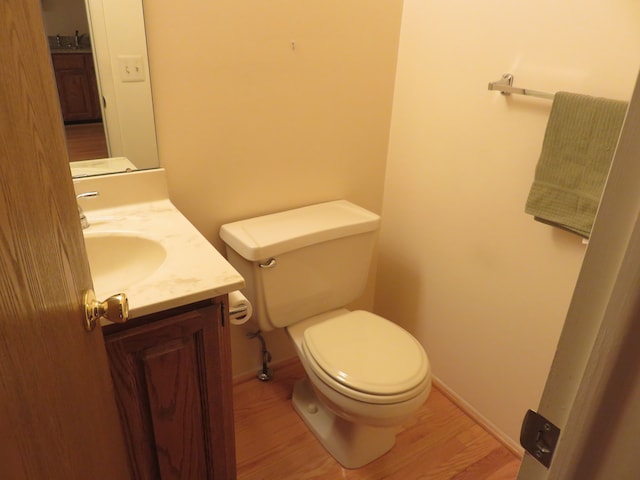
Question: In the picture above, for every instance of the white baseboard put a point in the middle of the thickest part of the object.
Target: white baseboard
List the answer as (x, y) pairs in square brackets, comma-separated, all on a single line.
[(499, 435)]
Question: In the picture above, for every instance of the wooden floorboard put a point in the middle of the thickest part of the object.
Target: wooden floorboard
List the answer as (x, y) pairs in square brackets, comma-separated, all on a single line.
[(440, 443), (86, 141)]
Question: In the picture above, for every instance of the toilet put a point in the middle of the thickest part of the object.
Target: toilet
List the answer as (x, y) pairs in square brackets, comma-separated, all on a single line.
[(365, 374)]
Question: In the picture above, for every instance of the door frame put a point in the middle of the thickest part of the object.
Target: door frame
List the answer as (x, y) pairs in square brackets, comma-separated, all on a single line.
[(593, 381)]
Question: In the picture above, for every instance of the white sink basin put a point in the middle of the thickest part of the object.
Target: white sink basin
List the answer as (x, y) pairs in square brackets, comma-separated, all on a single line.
[(121, 259), (140, 244)]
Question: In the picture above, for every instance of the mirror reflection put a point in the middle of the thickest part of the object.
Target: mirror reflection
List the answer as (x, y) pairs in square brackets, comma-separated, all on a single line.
[(99, 56)]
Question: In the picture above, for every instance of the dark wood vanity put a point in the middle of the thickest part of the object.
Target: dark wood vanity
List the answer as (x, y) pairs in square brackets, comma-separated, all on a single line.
[(172, 376), (77, 86)]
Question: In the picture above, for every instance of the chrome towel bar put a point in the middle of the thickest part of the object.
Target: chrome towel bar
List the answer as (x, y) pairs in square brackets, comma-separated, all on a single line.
[(505, 86)]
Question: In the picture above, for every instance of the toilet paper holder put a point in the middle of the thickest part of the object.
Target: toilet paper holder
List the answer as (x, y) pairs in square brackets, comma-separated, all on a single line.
[(238, 311)]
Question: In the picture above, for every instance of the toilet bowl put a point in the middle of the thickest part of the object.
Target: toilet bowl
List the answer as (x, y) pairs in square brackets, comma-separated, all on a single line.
[(365, 374), (344, 396), (367, 368)]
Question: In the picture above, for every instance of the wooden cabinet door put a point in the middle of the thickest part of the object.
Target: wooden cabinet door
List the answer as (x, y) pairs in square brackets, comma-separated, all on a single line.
[(77, 88), (173, 388)]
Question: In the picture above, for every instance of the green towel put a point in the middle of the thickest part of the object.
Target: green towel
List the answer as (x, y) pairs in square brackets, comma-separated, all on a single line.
[(579, 143)]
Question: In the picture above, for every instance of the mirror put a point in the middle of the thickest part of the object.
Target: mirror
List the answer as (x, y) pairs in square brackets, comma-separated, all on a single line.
[(99, 55)]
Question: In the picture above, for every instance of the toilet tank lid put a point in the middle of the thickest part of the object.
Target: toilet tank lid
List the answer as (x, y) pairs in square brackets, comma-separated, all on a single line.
[(270, 235)]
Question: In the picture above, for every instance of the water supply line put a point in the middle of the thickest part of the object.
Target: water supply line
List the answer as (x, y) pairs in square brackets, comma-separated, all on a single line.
[(265, 374)]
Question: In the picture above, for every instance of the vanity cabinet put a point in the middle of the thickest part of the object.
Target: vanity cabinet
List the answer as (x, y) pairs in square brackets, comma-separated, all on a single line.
[(172, 377), (77, 86)]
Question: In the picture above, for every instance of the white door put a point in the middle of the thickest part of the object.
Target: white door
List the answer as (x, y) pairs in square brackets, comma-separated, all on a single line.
[(58, 418), (593, 390)]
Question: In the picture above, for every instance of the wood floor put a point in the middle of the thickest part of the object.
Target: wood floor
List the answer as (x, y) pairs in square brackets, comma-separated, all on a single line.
[(440, 443), (86, 141)]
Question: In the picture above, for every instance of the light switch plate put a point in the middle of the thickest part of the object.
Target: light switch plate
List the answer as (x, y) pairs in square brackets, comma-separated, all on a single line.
[(131, 68)]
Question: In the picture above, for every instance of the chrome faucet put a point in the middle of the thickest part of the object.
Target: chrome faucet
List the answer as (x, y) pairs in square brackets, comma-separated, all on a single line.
[(77, 38), (83, 218)]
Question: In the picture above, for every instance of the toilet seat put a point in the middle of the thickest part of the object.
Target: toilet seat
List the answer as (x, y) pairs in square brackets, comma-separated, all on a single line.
[(367, 358)]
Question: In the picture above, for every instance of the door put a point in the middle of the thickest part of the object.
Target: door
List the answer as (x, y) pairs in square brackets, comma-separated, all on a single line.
[(593, 389), (58, 418)]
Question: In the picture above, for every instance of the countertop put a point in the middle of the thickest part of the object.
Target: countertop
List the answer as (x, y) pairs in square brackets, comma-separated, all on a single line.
[(100, 166), (193, 269)]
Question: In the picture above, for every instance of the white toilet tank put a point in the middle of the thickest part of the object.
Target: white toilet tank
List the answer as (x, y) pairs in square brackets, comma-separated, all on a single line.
[(302, 262)]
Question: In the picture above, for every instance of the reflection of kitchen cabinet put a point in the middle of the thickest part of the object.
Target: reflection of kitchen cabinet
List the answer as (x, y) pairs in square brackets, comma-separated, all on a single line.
[(172, 377), (77, 87)]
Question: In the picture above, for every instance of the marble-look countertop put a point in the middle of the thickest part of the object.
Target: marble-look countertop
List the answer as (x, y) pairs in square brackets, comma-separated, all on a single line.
[(137, 203), (100, 166)]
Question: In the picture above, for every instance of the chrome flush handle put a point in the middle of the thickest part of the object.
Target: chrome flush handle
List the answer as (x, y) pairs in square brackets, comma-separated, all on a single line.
[(269, 263)]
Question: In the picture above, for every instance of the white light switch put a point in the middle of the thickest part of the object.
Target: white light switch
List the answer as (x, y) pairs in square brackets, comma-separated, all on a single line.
[(131, 68)]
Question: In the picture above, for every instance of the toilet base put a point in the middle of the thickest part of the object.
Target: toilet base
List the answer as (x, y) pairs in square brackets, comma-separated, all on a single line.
[(352, 445)]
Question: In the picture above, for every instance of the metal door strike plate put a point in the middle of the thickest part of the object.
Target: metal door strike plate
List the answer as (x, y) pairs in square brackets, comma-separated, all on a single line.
[(539, 437)]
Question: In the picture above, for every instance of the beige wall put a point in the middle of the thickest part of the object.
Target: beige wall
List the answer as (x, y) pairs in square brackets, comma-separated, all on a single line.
[(64, 17), (248, 123), (483, 286)]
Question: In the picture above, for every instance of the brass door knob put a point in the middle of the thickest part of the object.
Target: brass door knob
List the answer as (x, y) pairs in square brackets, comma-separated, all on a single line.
[(115, 309)]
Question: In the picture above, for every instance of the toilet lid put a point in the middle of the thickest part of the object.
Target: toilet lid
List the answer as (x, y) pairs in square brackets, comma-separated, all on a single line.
[(367, 353)]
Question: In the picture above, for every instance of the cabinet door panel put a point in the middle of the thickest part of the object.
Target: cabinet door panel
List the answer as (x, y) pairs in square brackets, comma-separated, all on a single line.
[(169, 385), (77, 88), (172, 378)]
